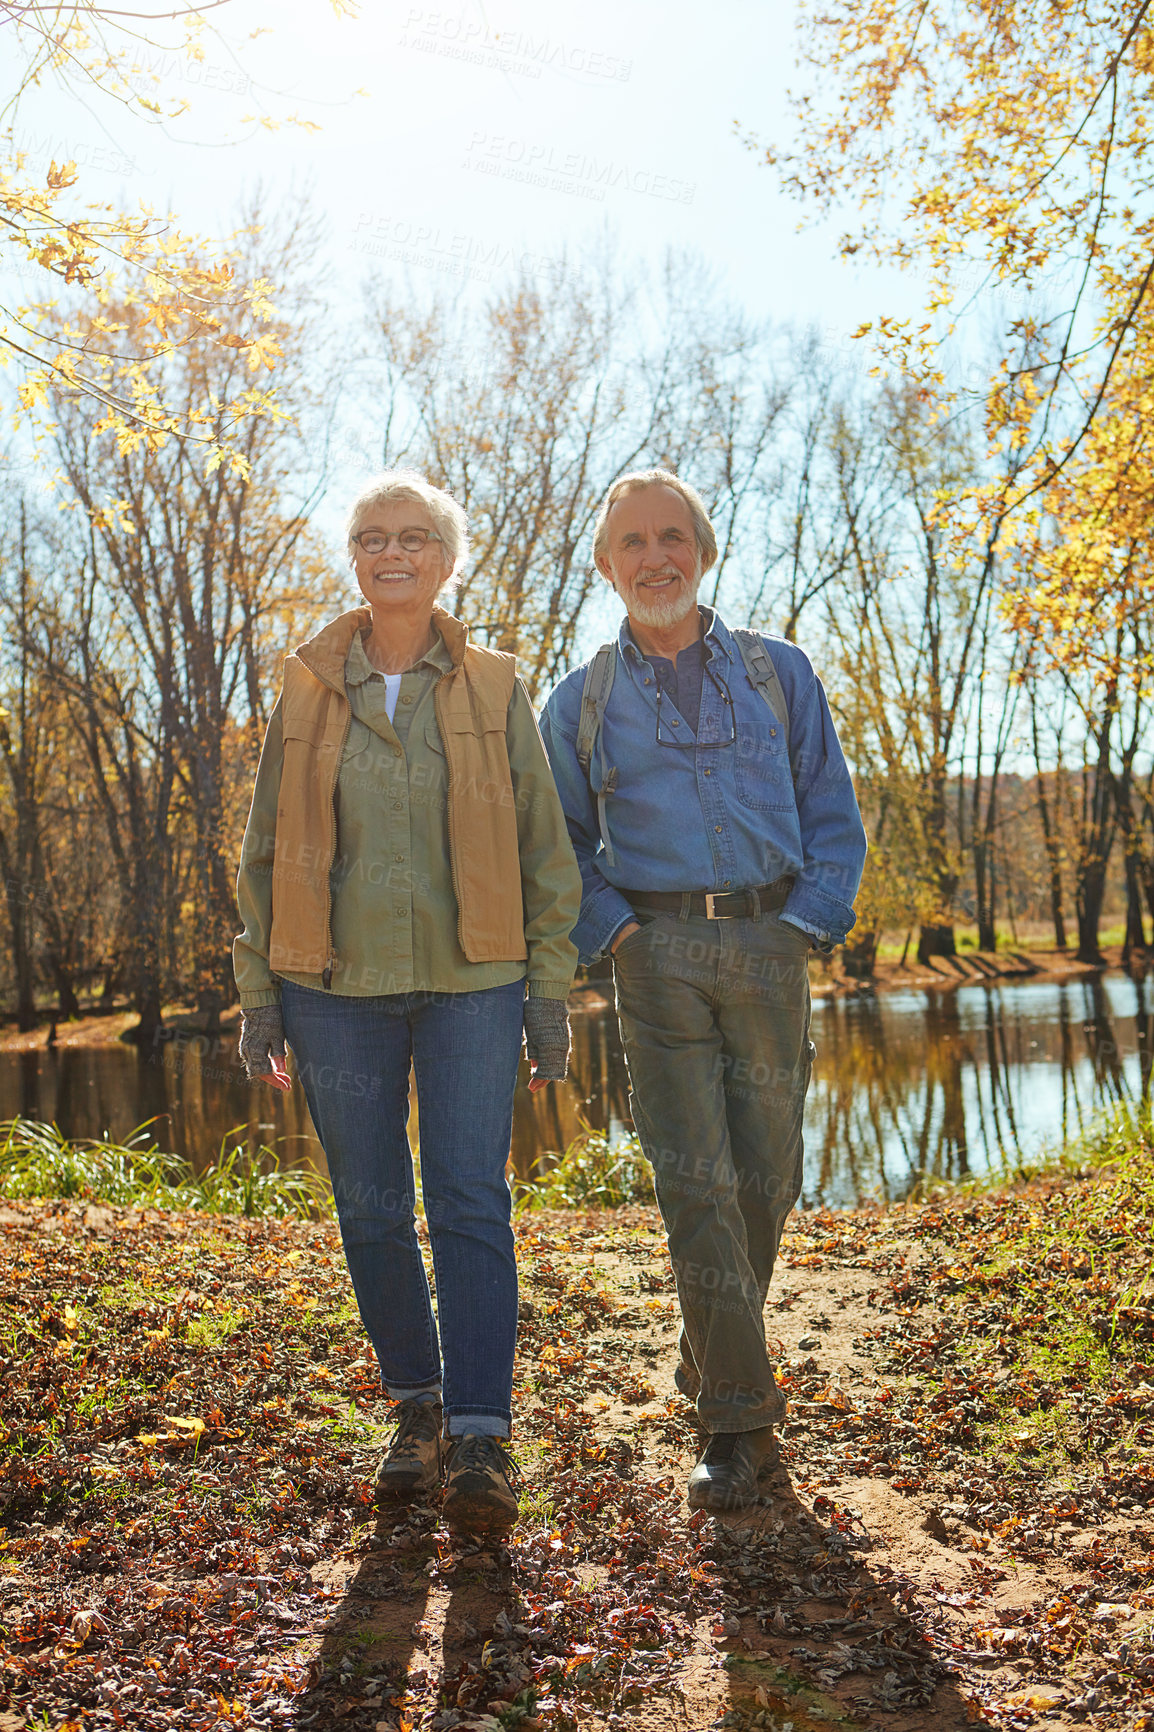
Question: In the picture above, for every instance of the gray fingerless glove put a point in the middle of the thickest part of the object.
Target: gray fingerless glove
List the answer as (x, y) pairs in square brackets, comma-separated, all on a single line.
[(261, 1034), (547, 1037)]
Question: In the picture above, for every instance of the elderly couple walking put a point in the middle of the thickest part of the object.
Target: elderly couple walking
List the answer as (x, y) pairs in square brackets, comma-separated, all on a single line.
[(421, 871)]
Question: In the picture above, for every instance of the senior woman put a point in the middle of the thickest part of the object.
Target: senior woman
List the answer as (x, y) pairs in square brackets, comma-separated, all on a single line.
[(405, 872)]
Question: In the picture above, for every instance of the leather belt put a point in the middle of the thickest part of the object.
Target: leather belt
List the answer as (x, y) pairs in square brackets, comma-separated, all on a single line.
[(713, 904)]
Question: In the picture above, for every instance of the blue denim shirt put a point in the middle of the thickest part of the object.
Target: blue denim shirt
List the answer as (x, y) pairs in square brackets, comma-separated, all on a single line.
[(709, 817)]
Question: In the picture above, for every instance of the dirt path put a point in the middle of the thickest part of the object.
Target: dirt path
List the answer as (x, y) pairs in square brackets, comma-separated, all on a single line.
[(190, 1430)]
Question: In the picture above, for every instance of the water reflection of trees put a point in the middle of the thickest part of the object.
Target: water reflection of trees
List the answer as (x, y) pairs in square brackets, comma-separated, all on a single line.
[(888, 1097), (901, 1098), (596, 1094), (908, 1087), (189, 1092)]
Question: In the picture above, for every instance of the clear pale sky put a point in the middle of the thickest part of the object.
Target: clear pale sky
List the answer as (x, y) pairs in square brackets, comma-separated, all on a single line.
[(491, 134)]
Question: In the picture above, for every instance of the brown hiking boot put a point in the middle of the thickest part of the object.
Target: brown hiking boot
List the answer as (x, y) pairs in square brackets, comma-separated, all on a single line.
[(480, 1488), (726, 1476), (411, 1466)]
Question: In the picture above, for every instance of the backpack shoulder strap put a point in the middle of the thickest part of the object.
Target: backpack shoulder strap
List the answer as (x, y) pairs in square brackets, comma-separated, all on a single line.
[(594, 698), (763, 675)]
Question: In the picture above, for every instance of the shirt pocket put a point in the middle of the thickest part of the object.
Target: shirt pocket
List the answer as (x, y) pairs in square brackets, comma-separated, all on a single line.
[(358, 748), (487, 727), (429, 780), (480, 747), (763, 774), (314, 741)]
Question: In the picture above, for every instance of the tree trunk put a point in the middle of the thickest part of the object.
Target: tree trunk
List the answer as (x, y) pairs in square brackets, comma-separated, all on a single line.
[(937, 937), (980, 852), (1088, 901), (1146, 872), (66, 999), (19, 930), (859, 958), (1098, 825), (1053, 857), (146, 1003), (936, 940), (986, 883), (1134, 941), (150, 884), (988, 910)]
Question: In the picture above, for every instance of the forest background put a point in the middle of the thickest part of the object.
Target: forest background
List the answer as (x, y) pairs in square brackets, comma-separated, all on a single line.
[(952, 521)]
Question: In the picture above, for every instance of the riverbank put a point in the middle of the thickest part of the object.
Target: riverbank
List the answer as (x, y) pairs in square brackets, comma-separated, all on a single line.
[(967, 968), (960, 1532), (827, 979)]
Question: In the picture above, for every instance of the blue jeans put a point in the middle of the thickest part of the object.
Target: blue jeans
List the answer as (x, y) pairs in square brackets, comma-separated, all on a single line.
[(353, 1057), (715, 1024)]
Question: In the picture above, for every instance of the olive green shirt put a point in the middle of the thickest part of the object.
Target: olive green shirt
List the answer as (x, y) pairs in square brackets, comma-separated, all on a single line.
[(394, 911)]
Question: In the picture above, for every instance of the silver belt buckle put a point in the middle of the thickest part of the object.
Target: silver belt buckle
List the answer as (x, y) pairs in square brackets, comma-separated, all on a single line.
[(710, 898)]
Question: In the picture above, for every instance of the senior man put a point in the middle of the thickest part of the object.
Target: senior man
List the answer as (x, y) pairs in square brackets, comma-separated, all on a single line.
[(719, 841)]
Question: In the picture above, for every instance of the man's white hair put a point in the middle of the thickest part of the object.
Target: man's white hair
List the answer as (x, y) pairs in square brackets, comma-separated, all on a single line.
[(636, 481)]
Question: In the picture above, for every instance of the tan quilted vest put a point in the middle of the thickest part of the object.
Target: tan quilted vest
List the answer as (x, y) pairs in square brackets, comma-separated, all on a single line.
[(472, 705)]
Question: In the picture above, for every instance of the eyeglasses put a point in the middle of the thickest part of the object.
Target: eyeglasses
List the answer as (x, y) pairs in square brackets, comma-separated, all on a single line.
[(671, 739), (409, 540)]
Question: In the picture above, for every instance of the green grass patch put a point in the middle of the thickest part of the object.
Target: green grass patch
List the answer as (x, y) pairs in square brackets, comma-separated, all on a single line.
[(592, 1173), (213, 1328), (536, 1505), (1046, 1437), (38, 1161), (350, 1425), (1053, 1286)]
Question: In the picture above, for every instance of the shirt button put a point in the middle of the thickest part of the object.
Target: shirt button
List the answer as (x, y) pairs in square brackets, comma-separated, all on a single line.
[(406, 700), (648, 682), (773, 733), (726, 886), (398, 858), (400, 913), (717, 827), (398, 805), (397, 753), (675, 721), (709, 772)]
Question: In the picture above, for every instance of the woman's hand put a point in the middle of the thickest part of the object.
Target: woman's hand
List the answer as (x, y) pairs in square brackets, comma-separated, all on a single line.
[(262, 1048), (546, 1040)]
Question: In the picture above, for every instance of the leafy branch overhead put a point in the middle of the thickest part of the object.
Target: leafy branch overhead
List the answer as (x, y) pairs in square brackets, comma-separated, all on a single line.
[(120, 268), (1003, 150)]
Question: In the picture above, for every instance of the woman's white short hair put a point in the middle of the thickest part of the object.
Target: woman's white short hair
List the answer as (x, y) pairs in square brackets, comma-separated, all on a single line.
[(449, 519)]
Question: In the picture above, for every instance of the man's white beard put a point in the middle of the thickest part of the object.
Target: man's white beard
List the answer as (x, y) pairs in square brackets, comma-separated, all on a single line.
[(656, 611)]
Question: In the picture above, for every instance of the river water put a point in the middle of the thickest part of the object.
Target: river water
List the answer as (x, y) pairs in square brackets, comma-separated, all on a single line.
[(908, 1086)]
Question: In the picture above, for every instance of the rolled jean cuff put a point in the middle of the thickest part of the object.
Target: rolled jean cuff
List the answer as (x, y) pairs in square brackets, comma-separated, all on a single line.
[(687, 1383), (488, 1424), (406, 1391), (759, 1422)]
